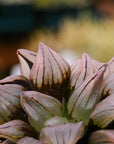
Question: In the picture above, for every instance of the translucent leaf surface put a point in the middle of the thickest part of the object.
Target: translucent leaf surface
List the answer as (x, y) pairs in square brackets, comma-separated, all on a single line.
[(39, 107), (108, 85), (14, 130), (103, 114), (26, 59), (16, 79), (102, 137), (9, 101), (68, 133), (55, 120), (81, 70), (50, 72), (83, 99), (29, 140)]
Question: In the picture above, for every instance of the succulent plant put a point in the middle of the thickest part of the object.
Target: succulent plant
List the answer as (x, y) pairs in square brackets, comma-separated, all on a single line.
[(52, 102)]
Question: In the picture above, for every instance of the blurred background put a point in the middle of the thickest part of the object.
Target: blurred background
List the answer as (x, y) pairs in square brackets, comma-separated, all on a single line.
[(71, 27)]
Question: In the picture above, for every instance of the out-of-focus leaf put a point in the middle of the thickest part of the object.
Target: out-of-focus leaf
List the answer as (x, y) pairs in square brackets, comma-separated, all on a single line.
[(97, 64), (81, 71), (14, 130), (75, 66), (50, 73), (40, 107), (103, 114), (26, 59), (9, 101), (83, 99), (102, 137), (55, 121), (7, 142), (28, 140), (68, 133), (109, 69), (108, 85), (16, 79)]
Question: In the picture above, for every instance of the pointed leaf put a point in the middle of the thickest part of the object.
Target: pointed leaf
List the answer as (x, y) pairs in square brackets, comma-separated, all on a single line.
[(68, 133), (110, 68), (83, 99), (103, 114), (84, 68), (97, 65), (14, 130), (102, 137), (39, 107), (28, 140), (50, 73), (108, 85), (75, 65), (26, 59), (10, 102), (16, 79)]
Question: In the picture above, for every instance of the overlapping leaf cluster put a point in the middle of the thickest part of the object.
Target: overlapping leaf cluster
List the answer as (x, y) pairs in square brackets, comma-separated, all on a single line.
[(55, 103)]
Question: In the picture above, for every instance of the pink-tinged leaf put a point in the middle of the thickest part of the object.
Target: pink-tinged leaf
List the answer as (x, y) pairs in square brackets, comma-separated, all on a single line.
[(6, 142), (81, 70), (26, 59), (108, 85), (16, 79), (103, 114), (40, 107), (29, 140), (83, 99), (10, 102), (97, 64), (102, 137), (110, 68), (75, 65), (68, 133), (14, 130), (50, 73)]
